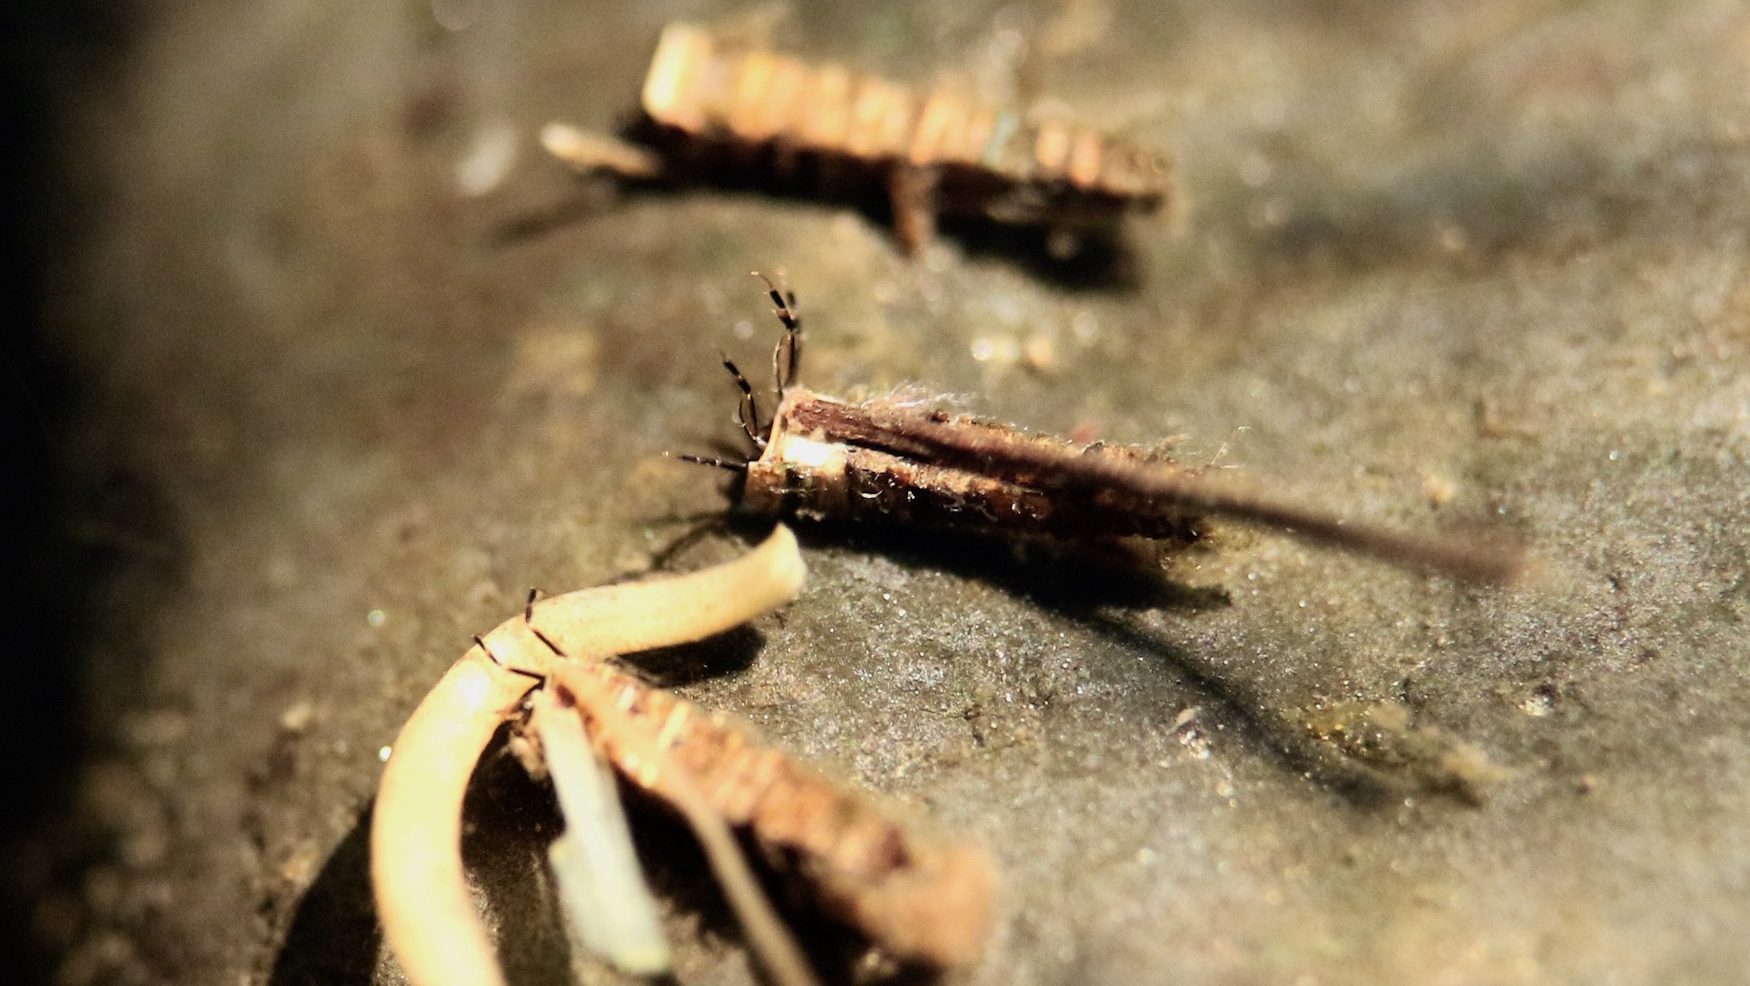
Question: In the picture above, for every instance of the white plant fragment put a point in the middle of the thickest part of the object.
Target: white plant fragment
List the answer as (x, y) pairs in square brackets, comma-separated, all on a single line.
[(607, 903)]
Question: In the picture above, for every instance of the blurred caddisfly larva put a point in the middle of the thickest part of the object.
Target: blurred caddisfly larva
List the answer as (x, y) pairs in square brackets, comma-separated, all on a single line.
[(901, 459), (713, 110), (916, 898)]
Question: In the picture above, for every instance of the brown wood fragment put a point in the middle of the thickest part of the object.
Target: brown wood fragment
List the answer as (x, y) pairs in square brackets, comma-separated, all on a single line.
[(917, 897)]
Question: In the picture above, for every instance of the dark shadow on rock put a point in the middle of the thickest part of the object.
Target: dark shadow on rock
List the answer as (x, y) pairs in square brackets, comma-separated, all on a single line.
[(1274, 733), (725, 654), (1088, 583), (1100, 259), (81, 644), (679, 873), (535, 221), (510, 820), (334, 935), (335, 932), (1068, 576), (1092, 259)]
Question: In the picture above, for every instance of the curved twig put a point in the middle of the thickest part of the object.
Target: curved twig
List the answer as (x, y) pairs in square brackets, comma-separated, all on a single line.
[(429, 920)]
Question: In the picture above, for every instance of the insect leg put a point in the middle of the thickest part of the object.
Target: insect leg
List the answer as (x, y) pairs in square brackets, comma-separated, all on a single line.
[(748, 412), (480, 642), (711, 460), (787, 357), (911, 193), (529, 621)]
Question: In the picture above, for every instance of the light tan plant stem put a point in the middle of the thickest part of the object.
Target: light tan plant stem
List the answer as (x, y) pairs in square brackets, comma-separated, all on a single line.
[(429, 919)]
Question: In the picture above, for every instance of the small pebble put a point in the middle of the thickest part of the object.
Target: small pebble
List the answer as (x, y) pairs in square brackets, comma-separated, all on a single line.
[(297, 717)]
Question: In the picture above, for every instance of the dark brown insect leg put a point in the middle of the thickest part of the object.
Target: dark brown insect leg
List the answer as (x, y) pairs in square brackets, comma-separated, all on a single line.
[(787, 356), (748, 412), (912, 194), (711, 460)]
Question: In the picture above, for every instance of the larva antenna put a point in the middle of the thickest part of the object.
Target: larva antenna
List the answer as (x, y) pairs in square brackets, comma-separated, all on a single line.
[(729, 465)]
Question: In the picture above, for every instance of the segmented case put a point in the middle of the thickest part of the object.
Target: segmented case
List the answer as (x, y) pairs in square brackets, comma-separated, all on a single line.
[(829, 459), (916, 897), (937, 152)]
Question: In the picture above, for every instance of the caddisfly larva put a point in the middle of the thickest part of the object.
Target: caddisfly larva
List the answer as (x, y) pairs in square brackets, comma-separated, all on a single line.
[(916, 898), (429, 921), (712, 110), (910, 895), (904, 461)]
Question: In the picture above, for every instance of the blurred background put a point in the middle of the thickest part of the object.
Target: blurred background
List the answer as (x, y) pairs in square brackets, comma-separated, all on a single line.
[(319, 363)]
